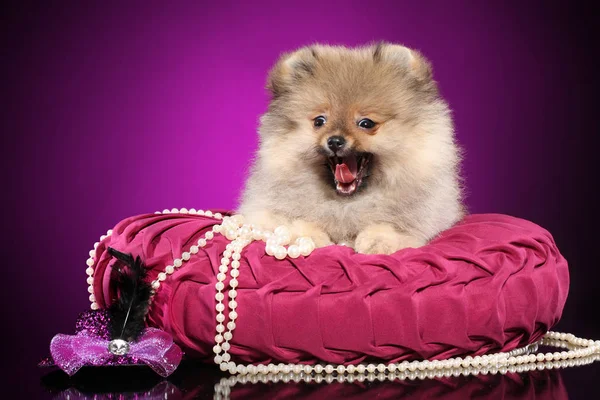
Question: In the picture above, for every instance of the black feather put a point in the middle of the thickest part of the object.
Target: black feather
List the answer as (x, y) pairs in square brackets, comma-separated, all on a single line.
[(128, 310)]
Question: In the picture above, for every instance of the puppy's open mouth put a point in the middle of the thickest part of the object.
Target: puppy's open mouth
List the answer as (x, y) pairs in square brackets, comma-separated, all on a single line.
[(349, 171)]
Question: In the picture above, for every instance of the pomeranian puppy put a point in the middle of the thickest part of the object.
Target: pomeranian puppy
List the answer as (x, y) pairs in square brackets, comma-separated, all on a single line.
[(356, 147)]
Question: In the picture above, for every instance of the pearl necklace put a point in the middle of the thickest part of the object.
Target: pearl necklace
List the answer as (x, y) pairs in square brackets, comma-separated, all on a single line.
[(225, 385), (240, 235)]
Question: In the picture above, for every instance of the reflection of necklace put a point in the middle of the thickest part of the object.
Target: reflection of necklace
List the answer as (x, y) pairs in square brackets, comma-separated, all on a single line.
[(226, 384), (580, 351)]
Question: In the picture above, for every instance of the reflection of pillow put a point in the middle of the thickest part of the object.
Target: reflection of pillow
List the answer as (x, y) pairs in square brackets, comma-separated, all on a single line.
[(492, 282)]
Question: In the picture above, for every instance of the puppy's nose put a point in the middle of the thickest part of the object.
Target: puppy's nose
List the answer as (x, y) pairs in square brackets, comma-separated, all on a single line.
[(336, 143)]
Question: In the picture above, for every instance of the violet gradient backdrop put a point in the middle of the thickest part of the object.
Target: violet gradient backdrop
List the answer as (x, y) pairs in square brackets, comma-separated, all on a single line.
[(115, 110)]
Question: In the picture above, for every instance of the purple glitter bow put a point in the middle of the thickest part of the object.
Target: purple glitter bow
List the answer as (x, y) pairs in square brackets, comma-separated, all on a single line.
[(154, 348)]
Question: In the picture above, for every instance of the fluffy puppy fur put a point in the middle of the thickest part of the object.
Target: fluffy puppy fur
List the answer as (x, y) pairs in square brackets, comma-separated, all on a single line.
[(390, 182)]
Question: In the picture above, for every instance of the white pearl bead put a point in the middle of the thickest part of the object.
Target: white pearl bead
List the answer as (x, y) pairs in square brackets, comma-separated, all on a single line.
[(219, 338), (208, 213), (226, 346), (170, 269), (174, 211), (94, 306), (233, 282), (201, 242), (227, 335), (281, 230), (219, 286), (162, 276), (285, 239), (155, 285), (232, 293), (177, 262), (89, 262), (183, 211), (233, 315), (231, 325), (245, 231), (235, 264), (89, 271), (306, 249), (270, 249), (185, 256), (218, 215), (90, 280), (90, 289), (165, 211), (280, 252), (92, 298), (220, 317), (209, 235), (293, 251), (194, 249)]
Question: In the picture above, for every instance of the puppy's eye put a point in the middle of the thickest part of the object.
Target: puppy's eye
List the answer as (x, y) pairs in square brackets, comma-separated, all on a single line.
[(319, 121), (366, 123)]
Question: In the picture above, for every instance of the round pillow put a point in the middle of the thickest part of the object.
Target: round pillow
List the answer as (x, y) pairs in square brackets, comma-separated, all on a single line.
[(490, 283)]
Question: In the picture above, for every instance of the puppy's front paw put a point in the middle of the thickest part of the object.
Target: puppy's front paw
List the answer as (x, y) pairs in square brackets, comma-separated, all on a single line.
[(265, 220), (384, 239), (303, 228)]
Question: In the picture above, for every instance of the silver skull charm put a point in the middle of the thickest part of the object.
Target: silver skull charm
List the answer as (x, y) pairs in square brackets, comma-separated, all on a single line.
[(118, 347)]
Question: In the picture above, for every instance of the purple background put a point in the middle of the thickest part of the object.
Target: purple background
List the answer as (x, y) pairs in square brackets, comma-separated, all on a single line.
[(119, 110)]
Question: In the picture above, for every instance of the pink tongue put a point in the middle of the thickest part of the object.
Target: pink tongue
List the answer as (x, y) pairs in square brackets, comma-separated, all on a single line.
[(346, 173)]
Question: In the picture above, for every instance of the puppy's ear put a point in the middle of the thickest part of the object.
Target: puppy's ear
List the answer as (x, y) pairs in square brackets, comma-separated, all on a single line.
[(290, 68), (408, 59)]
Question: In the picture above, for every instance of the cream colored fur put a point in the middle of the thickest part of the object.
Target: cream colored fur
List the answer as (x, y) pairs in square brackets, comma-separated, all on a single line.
[(413, 191)]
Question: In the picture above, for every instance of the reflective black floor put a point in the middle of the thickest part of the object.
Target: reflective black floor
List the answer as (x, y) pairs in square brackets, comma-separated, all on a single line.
[(198, 381)]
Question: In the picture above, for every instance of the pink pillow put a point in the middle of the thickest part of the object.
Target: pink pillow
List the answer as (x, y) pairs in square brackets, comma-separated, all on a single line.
[(490, 283)]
